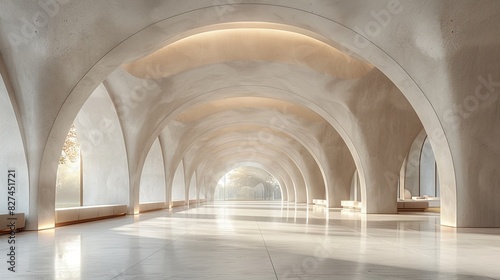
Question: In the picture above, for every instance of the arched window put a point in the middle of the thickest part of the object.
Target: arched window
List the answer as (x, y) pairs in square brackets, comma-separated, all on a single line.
[(418, 175), (428, 176)]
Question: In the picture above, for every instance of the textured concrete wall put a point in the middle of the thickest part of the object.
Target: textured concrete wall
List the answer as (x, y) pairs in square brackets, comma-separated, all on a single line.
[(104, 156), (193, 189), (179, 184), (12, 152), (153, 176)]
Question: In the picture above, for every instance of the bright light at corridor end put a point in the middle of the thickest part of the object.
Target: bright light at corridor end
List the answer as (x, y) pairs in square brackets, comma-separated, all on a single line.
[(249, 184)]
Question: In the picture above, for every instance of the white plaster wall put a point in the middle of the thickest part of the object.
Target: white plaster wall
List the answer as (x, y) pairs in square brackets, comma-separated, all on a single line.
[(12, 154), (153, 176), (193, 188), (316, 181), (68, 186), (388, 126), (338, 166), (179, 184), (105, 171), (456, 67), (201, 187)]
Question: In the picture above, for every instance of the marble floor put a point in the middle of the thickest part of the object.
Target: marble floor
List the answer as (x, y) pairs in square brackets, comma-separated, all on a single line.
[(256, 240)]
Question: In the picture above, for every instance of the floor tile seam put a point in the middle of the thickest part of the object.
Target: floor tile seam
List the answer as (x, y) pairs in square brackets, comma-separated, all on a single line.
[(388, 242), (143, 259), (417, 252), (156, 251), (422, 254), (19, 241), (349, 228), (413, 251), (267, 249), (148, 256)]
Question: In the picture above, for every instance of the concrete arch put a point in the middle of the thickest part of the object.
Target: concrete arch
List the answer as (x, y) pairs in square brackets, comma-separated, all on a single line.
[(379, 172), (232, 153), (223, 166), (283, 188), (325, 110), (225, 163), (247, 143), (257, 179), (231, 91), (278, 169), (314, 146), (307, 167), (300, 180), (237, 44), (287, 15)]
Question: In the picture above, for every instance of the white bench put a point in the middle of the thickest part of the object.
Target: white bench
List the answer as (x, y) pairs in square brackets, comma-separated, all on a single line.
[(88, 213), (319, 202), (178, 203), (413, 205), (151, 206), (351, 205), (434, 202)]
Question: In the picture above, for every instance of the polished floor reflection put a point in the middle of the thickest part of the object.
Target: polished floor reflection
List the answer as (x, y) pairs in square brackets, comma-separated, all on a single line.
[(257, 240)]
